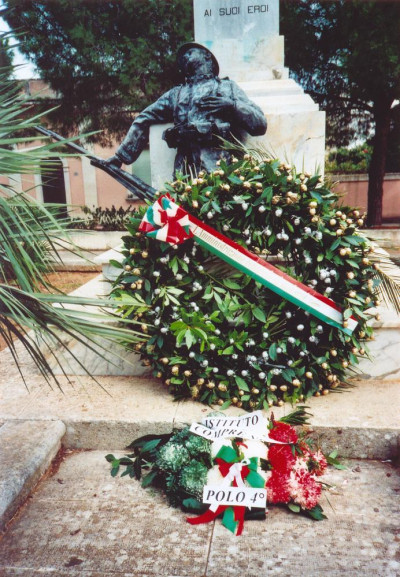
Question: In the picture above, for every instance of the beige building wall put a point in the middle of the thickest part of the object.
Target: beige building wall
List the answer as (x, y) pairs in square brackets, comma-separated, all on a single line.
[(29, 183), (109, 192), (76, 179), (355, 193), (89, 186)]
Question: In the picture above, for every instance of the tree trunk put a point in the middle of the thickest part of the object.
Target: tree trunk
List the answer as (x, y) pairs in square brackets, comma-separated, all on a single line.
[(377, 168)]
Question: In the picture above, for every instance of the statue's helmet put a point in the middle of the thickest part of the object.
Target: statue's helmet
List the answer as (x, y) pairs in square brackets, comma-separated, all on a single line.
[(188, 46)]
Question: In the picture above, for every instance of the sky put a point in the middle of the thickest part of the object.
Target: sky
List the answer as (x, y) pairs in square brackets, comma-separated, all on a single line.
[(25, 69)]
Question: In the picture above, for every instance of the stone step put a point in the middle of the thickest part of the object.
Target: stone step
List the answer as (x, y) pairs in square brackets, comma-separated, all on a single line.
[(84, 262), (27, 450), (82, 522), (94, 240), (387, 238), (280, 105), (112, 411), (281, 87), (133, 404)]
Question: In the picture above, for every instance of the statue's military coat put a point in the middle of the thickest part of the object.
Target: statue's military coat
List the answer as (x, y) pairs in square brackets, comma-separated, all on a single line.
[(196, 131)]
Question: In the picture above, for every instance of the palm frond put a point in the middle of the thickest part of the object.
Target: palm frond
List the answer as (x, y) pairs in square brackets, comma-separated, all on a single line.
[(42, 327), (388, 276), (298, 417), (31, 236)]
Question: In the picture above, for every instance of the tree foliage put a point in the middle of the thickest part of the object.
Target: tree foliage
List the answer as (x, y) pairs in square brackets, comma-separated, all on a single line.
[(347, 56), (108, 59), (104, 59), (6, 56), (344, 62)]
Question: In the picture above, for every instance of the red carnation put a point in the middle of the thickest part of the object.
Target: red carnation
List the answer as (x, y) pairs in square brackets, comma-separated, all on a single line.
[(283, 432), (304, 490), (278, 488), (281, 458), (317, 463)]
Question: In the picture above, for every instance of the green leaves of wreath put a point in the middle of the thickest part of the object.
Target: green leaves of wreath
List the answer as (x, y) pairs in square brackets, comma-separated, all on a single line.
[(212, 333)]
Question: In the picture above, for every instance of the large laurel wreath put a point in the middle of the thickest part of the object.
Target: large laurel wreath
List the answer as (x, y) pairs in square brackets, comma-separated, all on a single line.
[(214, 334)]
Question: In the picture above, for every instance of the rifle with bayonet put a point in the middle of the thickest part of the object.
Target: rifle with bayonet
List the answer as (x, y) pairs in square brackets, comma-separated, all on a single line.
[(133, 183)]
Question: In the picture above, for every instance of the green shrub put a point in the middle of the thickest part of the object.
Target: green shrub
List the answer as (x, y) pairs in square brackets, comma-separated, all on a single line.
[(102, 218), (353, 160)]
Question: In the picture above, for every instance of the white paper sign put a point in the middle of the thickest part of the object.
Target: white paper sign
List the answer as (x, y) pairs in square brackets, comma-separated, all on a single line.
[(216, 495), (253, 420), (228, 433), (253, 427)]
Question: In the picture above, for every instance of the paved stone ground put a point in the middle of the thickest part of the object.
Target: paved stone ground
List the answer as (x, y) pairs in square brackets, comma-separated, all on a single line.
[(81, 522)]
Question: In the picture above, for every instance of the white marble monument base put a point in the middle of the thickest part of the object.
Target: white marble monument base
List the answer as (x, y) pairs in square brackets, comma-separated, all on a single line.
[(265, 62), (296, 126)]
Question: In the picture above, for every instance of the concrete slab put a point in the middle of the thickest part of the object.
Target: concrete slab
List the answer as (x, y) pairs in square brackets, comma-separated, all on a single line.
[(114, 361), (85, 521), (384, 353), (82, 522), (360, 536), (27, 450)]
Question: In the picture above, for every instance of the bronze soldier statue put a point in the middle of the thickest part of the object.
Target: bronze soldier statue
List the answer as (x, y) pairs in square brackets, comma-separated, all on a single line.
[(203, 109)]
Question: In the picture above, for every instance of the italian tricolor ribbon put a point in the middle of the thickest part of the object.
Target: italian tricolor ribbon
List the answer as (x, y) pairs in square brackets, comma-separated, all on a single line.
[(234, 472), (168, 222)]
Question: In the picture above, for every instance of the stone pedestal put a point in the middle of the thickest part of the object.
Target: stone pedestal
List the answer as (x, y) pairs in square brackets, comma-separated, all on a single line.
[(244, 37), (296, 126)]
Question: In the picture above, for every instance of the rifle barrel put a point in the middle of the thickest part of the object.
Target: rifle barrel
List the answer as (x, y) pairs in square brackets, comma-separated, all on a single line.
[(136, 185), (60, 138)]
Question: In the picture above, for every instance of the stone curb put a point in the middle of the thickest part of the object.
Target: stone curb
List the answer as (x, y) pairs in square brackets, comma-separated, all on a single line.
[(359, 443), (351, 442), (27, 450), (84, 262)]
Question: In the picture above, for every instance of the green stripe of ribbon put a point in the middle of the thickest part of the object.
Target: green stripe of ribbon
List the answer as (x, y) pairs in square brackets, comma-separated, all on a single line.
[(227, 454), (228, 520)]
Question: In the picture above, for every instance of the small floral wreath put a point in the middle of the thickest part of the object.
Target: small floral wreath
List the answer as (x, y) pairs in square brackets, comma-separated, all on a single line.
[(182, 464), (214, 334)]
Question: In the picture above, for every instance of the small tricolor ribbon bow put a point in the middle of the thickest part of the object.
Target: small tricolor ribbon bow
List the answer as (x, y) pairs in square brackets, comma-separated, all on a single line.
[(235, 472), (166, 221)]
